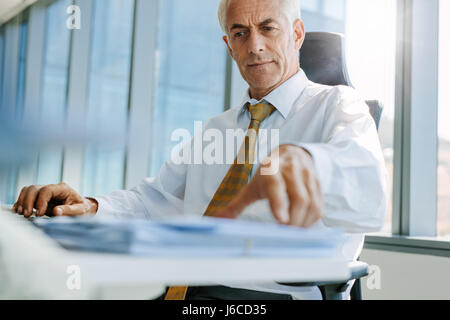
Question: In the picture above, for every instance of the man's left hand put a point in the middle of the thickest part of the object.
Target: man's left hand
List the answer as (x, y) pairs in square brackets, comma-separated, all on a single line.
[(288, 170)]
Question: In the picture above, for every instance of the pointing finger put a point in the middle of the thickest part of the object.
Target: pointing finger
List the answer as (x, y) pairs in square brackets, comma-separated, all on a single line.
[(276, 193), (298, 196)]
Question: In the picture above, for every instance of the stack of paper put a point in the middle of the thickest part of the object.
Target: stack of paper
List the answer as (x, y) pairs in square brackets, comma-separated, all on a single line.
[(205, 237)]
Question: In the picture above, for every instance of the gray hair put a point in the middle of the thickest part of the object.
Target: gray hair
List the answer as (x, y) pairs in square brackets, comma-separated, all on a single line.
[(290, 7)]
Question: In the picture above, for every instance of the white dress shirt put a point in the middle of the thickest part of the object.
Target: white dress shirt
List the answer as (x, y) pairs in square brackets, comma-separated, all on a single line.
[(332, 123)]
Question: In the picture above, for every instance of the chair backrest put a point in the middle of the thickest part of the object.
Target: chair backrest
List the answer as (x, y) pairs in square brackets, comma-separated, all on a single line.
[(322, 57)]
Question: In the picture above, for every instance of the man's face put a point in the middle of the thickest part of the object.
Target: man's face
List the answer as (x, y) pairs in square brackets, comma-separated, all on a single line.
[(263, 43)]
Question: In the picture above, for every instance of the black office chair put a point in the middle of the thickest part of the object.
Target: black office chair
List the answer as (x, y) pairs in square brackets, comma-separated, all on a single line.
[(322, 57)]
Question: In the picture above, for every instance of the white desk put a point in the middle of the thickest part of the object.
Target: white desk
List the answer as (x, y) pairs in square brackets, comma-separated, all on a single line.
[(33, 266)]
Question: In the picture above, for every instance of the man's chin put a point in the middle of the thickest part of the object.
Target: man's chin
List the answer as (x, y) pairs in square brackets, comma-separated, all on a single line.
[(262, 83)]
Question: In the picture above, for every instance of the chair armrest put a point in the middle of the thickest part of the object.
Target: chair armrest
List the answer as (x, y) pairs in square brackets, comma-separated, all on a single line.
[(358, 269)]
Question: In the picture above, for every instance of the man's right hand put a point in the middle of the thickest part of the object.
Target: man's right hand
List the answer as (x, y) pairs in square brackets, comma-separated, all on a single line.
[(53, 200)]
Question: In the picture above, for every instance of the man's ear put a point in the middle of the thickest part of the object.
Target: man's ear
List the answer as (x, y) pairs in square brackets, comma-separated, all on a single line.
[(225, 39), (299, 34)]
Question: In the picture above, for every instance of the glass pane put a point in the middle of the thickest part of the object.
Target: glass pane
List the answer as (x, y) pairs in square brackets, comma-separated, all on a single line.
[(54, 87), (191, 82), (9, 171), (2, 54), (108, 91), (21, 66), (443, 225), (334, 9), (3, 167), (324, 15), (370, 54), (8, 181), (20, 97)]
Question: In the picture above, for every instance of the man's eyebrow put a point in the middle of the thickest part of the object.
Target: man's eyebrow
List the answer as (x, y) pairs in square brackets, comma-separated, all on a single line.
[(238, 26), (241, 26), (267, 21)]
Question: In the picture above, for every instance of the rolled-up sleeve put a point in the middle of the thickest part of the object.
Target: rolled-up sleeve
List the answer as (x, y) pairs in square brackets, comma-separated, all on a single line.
[(350, 165), (154, 198)]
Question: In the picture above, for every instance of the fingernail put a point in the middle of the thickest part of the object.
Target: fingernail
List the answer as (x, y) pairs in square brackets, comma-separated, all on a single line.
[(38, 213), (19, 210), (59, 212), (25, 212)]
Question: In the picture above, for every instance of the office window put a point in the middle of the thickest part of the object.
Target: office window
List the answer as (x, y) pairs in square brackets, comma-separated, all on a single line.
[(108, 92), (3, 168), (54, 87), (324, 15), (13, 36), (21, 64), (310, 5), (12, 71), (4, 89), (370, 53), (334, 9), (20, 95), (2, 54), (443, 222), (191, 74)]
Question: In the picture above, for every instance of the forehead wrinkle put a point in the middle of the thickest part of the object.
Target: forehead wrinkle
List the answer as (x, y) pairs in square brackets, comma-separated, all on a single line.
[(248, 11), (264, 23)]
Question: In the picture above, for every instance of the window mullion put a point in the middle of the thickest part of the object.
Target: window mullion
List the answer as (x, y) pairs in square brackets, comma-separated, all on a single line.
[(143, 82), (419, 118), (77, 95)]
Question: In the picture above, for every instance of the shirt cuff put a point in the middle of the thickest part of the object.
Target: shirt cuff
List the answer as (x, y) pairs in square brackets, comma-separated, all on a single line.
[(102, 206)]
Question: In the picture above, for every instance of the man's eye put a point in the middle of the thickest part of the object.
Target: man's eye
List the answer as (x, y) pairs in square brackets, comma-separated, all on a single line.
[(268, 28), (239, 34)]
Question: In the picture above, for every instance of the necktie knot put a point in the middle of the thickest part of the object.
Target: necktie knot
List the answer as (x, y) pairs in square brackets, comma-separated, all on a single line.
[(260, 111)]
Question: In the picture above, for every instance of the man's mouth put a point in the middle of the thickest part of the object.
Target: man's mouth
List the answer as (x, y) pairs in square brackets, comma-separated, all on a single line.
[(260, 64)]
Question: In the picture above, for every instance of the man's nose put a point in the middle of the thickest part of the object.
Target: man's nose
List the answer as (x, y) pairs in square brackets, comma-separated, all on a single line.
[(256, 43)]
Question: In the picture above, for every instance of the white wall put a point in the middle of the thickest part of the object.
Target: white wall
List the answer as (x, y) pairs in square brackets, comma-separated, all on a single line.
[(407, 276)]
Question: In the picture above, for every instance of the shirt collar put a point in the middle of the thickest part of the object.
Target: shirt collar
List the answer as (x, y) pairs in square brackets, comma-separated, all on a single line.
[(283, 97)]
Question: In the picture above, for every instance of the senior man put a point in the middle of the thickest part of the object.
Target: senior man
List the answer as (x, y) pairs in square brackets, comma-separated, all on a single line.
[(330, 173)]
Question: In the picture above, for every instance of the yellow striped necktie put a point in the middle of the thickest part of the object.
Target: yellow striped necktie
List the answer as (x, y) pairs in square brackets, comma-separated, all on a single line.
[(236, 177)]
